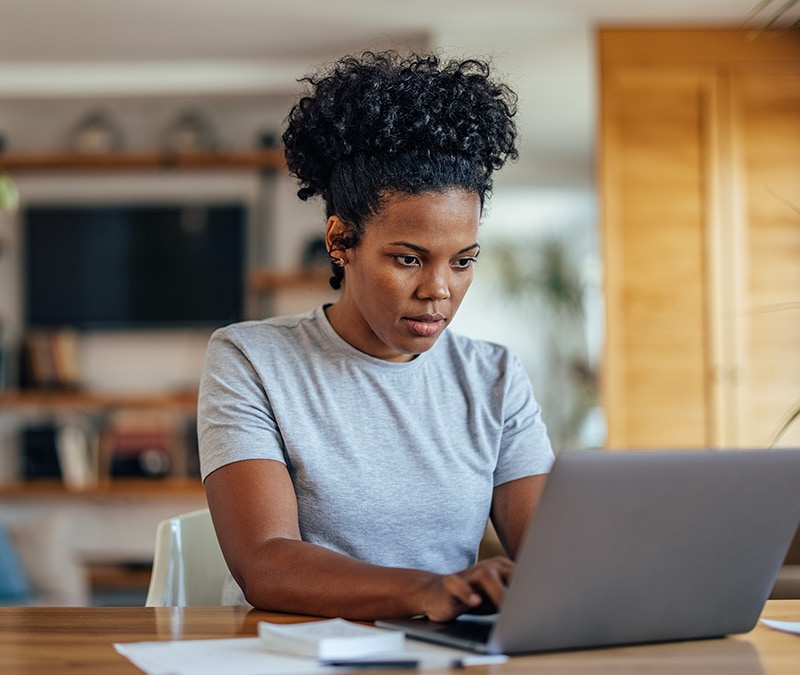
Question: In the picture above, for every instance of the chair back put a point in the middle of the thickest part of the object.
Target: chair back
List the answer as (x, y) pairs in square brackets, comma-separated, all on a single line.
[(188, 567)]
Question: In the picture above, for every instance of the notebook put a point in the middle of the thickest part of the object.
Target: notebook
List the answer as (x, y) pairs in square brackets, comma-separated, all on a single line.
[(641, 547)]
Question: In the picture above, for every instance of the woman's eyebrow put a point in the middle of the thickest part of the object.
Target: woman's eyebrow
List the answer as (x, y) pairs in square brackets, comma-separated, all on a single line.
[(422, 249)]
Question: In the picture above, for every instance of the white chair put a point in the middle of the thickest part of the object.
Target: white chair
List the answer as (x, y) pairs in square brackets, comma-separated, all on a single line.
[(188, 567)]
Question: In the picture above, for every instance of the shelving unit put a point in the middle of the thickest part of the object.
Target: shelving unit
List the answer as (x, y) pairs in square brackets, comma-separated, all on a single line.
[(113, 520)]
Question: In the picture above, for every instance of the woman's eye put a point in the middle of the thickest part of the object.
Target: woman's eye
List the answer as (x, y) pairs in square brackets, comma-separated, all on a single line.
[(407, 260), (465, 263)]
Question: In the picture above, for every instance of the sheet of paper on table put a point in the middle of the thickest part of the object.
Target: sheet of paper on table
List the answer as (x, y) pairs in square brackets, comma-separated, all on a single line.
[(247, 656), (785, 626)]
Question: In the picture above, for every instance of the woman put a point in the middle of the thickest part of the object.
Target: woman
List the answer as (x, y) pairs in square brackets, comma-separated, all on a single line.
[(352, 455)]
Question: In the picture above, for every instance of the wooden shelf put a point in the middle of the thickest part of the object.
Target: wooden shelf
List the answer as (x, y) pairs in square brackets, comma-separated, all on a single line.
[(87, 400), (274, 280), (118, 576), (117, 488), (266, 159)]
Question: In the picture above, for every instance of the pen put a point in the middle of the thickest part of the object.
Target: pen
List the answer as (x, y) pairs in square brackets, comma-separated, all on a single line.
[(479, 660), (378, 663), (463, 662)]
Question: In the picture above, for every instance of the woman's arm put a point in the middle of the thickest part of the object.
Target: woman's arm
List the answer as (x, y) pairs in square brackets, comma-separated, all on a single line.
[(513, 505), (254, 510)]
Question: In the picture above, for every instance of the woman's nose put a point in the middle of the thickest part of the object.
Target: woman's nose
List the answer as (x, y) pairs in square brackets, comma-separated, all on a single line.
[(435, 286)]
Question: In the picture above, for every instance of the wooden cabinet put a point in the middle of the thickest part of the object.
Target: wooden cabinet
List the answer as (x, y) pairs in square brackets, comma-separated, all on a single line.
[(699, 169)]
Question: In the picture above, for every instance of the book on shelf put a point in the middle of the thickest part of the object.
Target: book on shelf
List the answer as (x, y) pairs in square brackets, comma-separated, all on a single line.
[(78, 453), (68, 450), (51, 359)]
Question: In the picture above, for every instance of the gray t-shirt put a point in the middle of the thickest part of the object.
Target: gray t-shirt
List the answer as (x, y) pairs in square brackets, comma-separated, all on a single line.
[(392, 463)]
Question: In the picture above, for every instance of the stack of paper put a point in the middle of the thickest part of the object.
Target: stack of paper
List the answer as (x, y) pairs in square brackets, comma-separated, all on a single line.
[(329, 640)]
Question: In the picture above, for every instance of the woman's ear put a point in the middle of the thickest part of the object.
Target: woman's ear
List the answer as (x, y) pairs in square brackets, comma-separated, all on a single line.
[(335, 235)]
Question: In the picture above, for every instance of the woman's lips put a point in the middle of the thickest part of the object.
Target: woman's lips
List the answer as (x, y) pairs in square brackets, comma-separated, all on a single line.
[(425, 325)]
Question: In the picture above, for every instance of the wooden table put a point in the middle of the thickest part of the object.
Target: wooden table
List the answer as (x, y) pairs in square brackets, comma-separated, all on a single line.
[(80, 640)]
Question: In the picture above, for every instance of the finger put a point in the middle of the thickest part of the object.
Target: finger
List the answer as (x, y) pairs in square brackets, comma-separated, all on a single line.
[(462, 591), (501, 562), (502, 566), (489, 580)]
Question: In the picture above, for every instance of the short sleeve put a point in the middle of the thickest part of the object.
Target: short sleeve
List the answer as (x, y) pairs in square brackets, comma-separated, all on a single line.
[(525, 448), (234, 418)]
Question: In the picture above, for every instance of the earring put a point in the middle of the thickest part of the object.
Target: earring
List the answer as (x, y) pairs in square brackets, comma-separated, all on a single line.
[(339, 262)]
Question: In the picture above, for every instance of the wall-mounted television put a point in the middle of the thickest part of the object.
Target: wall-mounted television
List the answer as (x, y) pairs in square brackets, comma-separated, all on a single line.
[(134, 265)]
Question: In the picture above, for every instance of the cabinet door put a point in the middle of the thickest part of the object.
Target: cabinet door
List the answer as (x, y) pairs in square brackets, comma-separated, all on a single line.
[(656, 145), (765, 110), (700, 191)]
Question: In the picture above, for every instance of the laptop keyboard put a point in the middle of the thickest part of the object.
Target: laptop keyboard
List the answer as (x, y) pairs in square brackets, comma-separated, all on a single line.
[(474, 631)]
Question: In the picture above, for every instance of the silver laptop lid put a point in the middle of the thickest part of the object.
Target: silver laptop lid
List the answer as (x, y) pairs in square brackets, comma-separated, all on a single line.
[(651, 546)]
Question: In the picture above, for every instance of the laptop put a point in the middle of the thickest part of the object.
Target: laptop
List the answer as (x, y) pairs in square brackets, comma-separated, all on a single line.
[(640, 547)]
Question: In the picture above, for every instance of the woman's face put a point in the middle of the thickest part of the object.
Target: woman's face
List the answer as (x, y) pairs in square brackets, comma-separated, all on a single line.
[(407, 277)]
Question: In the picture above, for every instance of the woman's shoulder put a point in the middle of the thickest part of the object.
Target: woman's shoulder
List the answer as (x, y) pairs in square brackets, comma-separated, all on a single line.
[(480, 352), (269, 328), (273, 342), (481, 365)]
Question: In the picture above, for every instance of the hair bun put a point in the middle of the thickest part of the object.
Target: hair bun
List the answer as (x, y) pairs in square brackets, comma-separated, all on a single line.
[(383, 106)]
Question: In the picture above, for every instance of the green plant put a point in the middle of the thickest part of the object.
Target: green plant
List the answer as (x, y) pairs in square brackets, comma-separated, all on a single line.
[(539, 278), (9, 197)]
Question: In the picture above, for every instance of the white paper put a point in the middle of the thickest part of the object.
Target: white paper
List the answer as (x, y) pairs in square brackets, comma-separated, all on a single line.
[(247, 656), (785, 626)]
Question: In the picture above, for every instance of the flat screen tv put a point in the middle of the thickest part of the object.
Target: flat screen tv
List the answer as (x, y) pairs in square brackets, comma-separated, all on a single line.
[(123, 266)]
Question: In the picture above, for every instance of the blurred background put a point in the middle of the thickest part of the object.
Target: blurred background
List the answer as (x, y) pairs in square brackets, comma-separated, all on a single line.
[(109, 108)]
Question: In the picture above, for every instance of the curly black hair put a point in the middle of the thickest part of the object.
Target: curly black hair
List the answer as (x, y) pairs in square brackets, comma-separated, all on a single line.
[(382, 123)]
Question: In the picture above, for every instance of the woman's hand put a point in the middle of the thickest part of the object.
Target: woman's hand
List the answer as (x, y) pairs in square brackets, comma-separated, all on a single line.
[(477, 589)]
